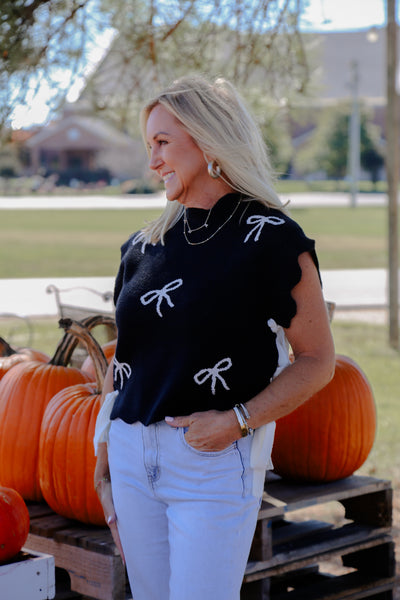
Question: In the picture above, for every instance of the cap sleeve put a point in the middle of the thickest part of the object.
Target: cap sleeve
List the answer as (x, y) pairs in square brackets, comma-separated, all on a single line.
[(288, 272)]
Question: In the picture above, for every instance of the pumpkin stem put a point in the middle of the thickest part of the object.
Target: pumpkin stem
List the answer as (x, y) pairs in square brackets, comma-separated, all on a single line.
[(69, 342), (5, 348), (81, 332)]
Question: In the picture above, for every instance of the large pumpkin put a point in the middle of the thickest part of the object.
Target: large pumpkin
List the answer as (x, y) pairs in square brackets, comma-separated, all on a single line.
[(331, 435), (66, 456), (9, 357), (14, 523), (25, 391)]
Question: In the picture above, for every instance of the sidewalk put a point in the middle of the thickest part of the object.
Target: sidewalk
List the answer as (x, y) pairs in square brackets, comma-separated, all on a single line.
[(297, 200), (353, 290)]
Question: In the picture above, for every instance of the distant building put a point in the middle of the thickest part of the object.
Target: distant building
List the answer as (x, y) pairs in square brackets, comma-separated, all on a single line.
[(343, 66), (83, 147)]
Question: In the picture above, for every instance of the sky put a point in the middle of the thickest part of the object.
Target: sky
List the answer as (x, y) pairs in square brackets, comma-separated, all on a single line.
[(321, 15), (342, 15)]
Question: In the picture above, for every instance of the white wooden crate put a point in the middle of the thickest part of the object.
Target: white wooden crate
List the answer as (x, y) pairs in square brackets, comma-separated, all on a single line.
[(30, 578)]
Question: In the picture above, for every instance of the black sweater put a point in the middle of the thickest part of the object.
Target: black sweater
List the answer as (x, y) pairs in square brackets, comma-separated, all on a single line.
[(197, 323)]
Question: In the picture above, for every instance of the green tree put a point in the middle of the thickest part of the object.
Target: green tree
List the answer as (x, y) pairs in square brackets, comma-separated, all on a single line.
[(328, 148), (372, 161)]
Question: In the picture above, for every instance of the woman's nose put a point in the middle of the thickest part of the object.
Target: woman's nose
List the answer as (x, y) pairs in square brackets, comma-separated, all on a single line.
[(155, 160)]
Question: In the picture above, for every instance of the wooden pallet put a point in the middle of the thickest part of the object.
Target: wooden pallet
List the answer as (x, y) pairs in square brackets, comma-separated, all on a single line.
[(86, 552), (290, 546)]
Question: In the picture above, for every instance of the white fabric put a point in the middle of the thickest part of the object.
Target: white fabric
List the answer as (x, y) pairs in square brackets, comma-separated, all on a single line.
[(103, 421), (263, 438), (260, 457)]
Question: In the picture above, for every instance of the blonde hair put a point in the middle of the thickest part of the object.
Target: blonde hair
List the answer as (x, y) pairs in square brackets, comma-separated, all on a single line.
[(215, 116)]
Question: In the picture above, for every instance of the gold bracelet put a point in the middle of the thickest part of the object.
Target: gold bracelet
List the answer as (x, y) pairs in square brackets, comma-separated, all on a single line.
[(106, 479), (242, 414), (246, 415), (244, 428)]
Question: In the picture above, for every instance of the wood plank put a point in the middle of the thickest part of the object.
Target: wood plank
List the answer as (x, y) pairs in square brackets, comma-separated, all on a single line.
[(38, 509), (96, 540), (347, 541), (287, 531), (371, 509), (294, 496), (92, 574), (48, 525), (351, 586)]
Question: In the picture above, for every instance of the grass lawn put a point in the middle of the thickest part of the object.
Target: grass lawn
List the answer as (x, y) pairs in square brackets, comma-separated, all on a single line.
[(64, 243), (86, 243), (367, 344)]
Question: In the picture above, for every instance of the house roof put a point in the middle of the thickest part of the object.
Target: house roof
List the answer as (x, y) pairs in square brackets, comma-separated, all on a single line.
[(76, 130)]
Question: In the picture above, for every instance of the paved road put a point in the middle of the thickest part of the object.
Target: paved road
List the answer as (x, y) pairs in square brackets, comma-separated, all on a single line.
[(364, 289)]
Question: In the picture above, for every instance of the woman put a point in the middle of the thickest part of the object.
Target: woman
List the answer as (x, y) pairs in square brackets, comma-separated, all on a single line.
[(208, 297)]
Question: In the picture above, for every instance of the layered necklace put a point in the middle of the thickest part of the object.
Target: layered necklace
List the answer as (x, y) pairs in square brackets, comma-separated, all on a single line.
[(187, 230)]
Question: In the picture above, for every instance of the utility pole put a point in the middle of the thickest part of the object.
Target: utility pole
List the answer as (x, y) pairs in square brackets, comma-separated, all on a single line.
[(392, 169), (354, 137)]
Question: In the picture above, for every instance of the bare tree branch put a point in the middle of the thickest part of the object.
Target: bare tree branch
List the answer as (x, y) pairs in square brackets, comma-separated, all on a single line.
[(256, 43)]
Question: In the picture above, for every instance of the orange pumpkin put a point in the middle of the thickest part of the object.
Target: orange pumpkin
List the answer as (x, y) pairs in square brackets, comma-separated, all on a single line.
[(14, 523), (108, 350), (10, 357), (25, 391), (331, 435), (66, 455)]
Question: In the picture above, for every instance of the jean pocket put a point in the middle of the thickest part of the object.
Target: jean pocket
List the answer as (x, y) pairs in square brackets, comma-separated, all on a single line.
[(211, 453)]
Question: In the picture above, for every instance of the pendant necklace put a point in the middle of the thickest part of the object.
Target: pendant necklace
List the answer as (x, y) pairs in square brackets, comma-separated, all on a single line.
[(186, 222), (185, 225)]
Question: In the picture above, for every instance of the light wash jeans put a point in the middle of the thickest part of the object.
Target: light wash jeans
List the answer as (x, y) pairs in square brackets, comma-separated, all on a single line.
[(186, 518)]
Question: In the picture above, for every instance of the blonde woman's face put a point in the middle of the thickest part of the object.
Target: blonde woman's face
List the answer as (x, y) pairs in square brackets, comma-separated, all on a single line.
[(176, 158)]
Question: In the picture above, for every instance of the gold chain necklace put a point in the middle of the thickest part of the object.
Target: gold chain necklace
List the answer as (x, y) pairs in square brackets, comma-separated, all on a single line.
[(213, 234)]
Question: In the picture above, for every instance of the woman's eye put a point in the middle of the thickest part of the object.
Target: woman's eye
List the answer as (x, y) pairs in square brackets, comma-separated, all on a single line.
[(161, 142)]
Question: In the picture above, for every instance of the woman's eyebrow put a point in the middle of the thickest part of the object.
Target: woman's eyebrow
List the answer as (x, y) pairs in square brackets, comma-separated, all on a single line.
[(160, 133)]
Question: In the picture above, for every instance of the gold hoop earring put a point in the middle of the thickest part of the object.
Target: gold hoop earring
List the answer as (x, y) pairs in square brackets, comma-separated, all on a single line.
[(214, 170)]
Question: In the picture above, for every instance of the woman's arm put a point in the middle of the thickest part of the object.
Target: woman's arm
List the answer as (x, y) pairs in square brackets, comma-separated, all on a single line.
[(101, 470), (102, 479), (310, 338), (311, 341)]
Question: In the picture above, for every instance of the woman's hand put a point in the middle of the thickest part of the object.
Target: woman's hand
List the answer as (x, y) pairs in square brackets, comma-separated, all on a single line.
[(208, 431), (103, 489)]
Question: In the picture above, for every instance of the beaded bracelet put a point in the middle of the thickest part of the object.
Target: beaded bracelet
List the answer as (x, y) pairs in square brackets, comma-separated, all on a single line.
[(106, 479)]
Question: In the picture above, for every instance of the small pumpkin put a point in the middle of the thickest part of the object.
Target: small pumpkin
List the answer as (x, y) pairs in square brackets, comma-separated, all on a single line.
[(25, 391), (66, 453), (331, 435), (14, 523), (9, 357)]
